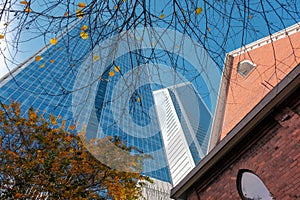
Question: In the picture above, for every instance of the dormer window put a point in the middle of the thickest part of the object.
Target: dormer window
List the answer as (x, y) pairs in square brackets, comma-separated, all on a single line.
[(245, 67)]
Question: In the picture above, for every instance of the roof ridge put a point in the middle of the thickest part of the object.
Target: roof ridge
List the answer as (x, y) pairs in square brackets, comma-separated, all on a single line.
[(266, 40)]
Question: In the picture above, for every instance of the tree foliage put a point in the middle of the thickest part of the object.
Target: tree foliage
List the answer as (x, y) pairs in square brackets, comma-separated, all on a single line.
[(219, 26), (40, 159)]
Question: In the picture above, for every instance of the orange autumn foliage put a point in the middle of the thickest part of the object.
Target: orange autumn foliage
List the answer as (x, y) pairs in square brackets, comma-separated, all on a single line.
[(40, 159)]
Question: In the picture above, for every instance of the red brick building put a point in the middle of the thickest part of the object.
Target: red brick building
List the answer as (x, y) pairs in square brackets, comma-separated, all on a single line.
[(251, 72), (258, 151)]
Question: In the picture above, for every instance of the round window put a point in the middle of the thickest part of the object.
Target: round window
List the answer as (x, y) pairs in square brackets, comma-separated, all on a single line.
[(251, 187)]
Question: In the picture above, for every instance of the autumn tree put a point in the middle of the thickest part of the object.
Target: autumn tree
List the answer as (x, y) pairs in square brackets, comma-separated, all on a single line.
[(217, 26), (39, 159)]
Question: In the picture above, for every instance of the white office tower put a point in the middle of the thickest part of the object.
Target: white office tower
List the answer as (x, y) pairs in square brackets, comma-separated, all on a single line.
[(178, 108)]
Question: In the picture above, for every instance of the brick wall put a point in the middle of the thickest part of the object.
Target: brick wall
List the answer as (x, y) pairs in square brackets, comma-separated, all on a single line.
[(273, 62), (274, 156)]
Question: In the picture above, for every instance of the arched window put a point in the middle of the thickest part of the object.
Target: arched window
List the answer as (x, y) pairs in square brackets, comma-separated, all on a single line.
[(251, 187), (245, 67)]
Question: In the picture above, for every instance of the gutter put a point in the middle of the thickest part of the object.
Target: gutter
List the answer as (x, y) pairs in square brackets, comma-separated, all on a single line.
[(278, 94)]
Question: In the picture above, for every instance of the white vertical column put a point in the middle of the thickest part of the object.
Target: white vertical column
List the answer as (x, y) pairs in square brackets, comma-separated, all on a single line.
[(179, 157)]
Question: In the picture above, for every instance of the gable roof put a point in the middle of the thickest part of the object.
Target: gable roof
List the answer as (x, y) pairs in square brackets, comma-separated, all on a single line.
[(276, 96)]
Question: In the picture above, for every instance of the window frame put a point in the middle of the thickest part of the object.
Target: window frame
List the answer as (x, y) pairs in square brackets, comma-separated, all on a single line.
[(239, 183), (244, 62)]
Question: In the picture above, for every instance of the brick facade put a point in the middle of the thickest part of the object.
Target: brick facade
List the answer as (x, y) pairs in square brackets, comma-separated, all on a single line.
[(274, 156), (273, 58), (258, 121)]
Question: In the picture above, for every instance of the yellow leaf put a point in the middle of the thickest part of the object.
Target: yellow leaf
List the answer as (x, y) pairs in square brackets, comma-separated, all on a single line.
[(53, 120), (72, 127), (27, 9), (1, 36), (95, 58), (23, 2), (42, 65), (250, 16), (53, 41), (81, 5), (117, 68), (79, 13), (69, 138), (138, 99), (198, 10), (32, 115), (84, 35), (18, 195), (162, 16), (152, 44), (208, 29), (60, 48), (84, 27), (66, 14), (52, 61), (38, 58), (176, 46), (63, 124), (111, 73)]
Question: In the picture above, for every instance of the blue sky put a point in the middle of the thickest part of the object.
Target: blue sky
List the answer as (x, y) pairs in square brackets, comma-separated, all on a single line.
[(221, 27)]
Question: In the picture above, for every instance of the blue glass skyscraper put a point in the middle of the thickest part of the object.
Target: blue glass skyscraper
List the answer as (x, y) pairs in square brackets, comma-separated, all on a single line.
[(106, 85)]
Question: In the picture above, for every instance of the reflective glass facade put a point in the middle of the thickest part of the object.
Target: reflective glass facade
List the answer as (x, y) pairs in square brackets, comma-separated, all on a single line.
[(195, 119), (50, 90), (185, 124), (99, 84)]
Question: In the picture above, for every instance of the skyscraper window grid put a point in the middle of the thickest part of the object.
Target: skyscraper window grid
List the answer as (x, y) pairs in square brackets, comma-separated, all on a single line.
[(52, 90)]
